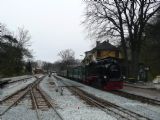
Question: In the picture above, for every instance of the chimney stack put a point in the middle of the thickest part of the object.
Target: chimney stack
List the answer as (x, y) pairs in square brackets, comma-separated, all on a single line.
[(97, 43)]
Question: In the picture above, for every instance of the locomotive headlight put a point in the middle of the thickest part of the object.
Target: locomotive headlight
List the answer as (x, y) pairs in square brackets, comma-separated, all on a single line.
[(105, 77), (124, 77)]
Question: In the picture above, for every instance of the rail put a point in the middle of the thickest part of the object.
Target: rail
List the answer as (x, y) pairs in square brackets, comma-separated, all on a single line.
[(35, 104), (106, 106), (48, 99), (24, 91), (37, 94)]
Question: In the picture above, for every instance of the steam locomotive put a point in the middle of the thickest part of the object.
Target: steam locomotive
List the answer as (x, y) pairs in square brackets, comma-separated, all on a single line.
[(104, 74)]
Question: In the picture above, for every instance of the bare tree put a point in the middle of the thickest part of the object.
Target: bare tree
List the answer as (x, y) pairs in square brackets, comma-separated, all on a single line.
[(121, 19), (57, 65), (4, 30), (67, 57), (47, 66), (66, 54), (23, 36)]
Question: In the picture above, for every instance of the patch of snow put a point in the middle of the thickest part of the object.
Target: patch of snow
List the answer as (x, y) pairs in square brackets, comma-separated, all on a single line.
[(71, 107), (149, 93), (157, 86), (156, 80), (15, 87), (24, 111), (149, 111), (21, 112), (39, 75), (17, 78), (48, 115)]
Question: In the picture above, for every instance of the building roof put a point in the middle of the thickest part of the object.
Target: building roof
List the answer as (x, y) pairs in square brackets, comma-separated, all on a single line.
[(105, 46)]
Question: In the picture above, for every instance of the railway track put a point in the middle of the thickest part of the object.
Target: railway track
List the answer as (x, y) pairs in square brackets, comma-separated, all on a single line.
[(40, 100), (49, 103), (137, 97), (106, 106), (13, 99)]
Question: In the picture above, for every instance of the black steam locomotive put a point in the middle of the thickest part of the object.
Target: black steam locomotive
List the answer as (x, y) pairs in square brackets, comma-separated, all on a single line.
[(104, 74)]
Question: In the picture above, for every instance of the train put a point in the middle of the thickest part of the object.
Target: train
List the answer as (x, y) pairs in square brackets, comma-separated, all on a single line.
[(38, 71), (104, 74)]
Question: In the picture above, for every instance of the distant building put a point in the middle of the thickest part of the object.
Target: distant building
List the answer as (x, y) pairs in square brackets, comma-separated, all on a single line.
[(102, 51)]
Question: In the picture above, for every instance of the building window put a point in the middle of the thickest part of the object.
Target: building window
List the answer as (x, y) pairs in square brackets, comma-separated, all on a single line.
[(98, 54), (117, 54)]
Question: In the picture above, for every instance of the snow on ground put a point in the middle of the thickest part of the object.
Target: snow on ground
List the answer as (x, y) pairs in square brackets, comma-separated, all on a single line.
[(152, 112), (157, 86), (71, 107), (22, 111), (39, 75), (153, 94), (15, 87), (148, 85), (16, 78), (48, 115)]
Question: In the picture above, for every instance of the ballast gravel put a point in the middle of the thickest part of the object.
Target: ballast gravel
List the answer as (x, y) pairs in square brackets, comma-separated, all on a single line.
[(69, 106), (152, 112)]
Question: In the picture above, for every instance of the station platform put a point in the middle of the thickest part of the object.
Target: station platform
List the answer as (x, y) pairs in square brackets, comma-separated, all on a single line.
[(146, 90)]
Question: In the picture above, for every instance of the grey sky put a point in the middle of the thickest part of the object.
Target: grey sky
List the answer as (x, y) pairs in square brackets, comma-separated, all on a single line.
[(53, 24)]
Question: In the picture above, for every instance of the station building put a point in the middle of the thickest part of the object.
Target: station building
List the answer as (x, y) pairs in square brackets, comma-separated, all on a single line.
[(101, 51)]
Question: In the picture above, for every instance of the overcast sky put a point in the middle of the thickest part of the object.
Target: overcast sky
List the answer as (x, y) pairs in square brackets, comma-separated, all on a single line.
[(54, 25)]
